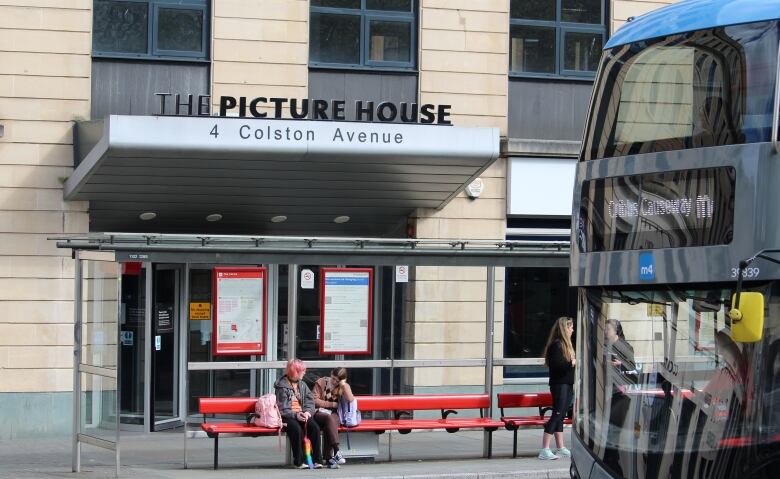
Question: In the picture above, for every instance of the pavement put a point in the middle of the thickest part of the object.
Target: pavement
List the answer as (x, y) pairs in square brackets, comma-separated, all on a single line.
[(419, 455)]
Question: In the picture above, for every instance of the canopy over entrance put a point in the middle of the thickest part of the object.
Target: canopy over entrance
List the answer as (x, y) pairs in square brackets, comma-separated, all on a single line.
[(265, 176)]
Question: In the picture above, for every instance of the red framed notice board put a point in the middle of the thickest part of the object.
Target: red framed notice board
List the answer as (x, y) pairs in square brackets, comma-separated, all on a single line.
[(346, 310), (239, 311)]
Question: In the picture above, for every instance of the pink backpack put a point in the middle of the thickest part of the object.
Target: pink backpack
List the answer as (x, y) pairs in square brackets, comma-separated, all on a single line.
[(267, 412)]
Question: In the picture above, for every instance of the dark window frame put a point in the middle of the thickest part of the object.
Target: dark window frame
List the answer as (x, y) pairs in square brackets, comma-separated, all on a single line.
[(366, 16), (152, 50), (561, 28)]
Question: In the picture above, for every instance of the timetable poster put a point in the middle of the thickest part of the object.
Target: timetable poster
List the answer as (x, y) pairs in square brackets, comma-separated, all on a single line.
[(239, 311), (346, 310)]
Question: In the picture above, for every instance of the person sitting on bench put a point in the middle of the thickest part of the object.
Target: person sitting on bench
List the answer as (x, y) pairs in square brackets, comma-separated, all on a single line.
[(327, 392), (296, 404)]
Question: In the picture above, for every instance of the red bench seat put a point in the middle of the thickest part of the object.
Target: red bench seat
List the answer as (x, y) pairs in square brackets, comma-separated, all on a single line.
[(399, 406), (541, 400), (374, 425)]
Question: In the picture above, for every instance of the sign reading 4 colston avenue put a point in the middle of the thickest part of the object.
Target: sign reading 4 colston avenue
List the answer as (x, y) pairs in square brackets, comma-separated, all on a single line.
[(300, 109)]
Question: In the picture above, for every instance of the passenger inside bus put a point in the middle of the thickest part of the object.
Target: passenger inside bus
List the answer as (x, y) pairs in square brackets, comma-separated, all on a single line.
[(622, 374)]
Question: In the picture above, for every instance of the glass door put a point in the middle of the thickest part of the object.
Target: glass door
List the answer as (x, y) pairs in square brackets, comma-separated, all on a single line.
[(132, 316), (164, 401)]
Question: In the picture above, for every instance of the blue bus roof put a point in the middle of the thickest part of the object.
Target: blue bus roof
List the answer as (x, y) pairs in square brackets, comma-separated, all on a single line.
[(690, 15)]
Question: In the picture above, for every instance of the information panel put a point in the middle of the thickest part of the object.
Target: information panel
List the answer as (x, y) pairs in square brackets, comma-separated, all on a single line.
[(671, 209), (346, 310), (239, 311)]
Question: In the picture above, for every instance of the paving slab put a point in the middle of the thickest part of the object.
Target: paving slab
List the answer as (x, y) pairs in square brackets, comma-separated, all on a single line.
[(418, 455)]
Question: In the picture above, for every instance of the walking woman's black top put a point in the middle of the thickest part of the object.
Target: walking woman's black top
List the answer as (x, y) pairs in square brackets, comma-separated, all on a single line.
[(561, 370)]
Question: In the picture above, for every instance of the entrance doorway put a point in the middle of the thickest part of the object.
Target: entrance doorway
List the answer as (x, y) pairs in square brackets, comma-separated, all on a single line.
[(132, 323), (165, 351), (150, 346)]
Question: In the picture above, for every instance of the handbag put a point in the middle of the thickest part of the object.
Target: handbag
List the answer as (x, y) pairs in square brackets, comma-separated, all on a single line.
[(349, 414)]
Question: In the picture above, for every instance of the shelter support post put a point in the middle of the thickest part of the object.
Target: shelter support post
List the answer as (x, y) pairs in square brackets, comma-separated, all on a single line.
[(489, 332), (292, 310), (392, 356), (76, 454), (292, 326), (184, 354)]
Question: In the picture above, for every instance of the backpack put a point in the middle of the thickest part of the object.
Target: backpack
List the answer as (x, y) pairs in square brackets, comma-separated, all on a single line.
[(349, 415), (266, 412)]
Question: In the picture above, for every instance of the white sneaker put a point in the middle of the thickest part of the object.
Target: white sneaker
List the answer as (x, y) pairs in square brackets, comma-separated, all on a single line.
[(562, 452), (547, 455), (339, 457)]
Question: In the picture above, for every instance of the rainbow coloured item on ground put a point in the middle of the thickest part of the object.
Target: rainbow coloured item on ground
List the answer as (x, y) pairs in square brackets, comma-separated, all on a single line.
[(307, 452)]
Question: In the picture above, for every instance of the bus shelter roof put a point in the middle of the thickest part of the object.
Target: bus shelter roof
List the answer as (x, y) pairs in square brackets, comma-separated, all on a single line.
[(221, 249)]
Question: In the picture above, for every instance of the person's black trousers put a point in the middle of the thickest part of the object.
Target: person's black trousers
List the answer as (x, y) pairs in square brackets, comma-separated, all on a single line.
[(295, 430), (561, 396)]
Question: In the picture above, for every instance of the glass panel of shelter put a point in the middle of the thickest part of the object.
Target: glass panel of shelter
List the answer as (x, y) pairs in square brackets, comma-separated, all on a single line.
[(197, 312), (307, 331), (201, 313)]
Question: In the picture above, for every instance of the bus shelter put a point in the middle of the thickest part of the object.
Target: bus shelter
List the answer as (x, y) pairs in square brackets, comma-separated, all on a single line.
[(101, 315)]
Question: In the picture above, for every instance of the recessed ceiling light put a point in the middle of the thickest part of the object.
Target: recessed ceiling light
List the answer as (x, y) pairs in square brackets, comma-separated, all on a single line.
[(341, 219), (148, 215), (214, 217), (279, 219)]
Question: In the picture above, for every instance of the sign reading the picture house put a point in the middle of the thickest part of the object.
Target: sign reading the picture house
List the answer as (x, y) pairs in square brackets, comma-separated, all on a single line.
[(239, 311), (657, 210), (346, 310), (300, 109)]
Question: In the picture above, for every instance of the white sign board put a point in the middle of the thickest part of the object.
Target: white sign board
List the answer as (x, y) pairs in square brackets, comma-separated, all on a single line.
[(402, 274), (239, 312), (540, 186), (307, 279), (346, 315)]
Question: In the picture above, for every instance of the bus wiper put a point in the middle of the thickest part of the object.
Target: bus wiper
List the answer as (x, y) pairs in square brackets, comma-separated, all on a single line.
[(634, 301)]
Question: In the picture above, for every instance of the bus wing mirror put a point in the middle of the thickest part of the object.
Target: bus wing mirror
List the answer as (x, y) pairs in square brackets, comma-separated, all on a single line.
[(747, 317)]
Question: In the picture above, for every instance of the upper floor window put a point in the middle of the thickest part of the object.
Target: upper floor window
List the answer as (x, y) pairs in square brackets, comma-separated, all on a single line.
[(165, 29), (362, 34), (555, 37)]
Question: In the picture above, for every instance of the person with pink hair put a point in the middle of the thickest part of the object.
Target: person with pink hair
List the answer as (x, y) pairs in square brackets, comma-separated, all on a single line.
[(296, 404)]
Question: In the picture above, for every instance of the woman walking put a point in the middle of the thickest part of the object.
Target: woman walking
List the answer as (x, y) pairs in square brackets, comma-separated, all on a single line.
[(296, 404), (328, 391), (559, 358)]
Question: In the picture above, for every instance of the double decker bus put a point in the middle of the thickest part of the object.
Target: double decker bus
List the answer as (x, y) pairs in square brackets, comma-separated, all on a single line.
[(676, 217)]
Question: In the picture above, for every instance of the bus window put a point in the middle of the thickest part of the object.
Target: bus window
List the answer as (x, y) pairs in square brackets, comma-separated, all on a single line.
[(705, 88), (668, 374)]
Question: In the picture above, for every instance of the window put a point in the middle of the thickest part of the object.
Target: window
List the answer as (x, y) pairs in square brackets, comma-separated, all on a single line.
[(166, 29), (700, 89), (534, 299), (555, 37), (362, 34)]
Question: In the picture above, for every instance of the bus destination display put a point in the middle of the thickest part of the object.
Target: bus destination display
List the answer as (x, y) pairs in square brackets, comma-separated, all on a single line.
[(657, 210)]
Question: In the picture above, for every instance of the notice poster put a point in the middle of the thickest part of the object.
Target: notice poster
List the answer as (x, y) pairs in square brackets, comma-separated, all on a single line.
[(239, 311), (346, 310)]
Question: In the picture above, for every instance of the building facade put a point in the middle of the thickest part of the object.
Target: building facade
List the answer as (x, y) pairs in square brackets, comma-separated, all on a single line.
[(524, 68)]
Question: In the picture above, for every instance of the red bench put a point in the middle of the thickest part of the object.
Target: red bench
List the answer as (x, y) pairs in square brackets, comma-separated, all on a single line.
[(398, 406), (541, 400)]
